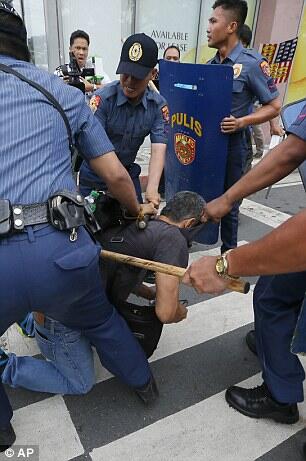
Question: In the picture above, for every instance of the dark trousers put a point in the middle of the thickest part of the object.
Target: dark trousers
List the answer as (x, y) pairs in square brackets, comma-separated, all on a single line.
[(87, 184), (44, 271), (236, 158), (277, 304), (6, 412)]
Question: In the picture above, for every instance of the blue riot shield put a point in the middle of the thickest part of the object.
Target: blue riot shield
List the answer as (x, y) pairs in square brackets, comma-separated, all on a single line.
[(199, 97)]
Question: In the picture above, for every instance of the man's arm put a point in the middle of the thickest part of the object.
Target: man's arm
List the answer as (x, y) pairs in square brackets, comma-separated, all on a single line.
[(280, 161), (156, 165), (168, 308), (281, 251), (276, 128), (265, 113), (118, 182)]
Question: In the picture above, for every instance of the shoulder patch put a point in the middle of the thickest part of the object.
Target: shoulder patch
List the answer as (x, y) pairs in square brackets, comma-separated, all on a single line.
[(271, 85), (265, 68), (95, 102), (237, 68), (165, 113)]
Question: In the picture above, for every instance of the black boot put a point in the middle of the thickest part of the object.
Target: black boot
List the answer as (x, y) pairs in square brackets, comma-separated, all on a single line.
[(259, 403), (7, 438), (250, 339), (148, 393)]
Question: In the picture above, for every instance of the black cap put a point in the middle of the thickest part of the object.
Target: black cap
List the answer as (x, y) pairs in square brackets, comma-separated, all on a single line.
[(19, 32), (138, 56)]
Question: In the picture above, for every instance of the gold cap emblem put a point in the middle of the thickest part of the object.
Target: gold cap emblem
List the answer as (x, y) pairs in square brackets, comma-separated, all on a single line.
[(135, 52)]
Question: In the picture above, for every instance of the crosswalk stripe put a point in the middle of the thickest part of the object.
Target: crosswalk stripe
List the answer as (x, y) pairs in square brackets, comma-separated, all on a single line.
[(263, 214), (205, 320), (48, 424), (208, 430)]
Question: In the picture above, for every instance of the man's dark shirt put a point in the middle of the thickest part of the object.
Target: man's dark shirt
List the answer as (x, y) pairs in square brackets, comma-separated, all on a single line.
[(160, 242)]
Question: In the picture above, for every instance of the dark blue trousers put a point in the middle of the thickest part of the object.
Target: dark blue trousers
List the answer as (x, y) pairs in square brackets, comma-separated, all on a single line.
[(235, 166), (87, 184), (43, 271), (277, 304)]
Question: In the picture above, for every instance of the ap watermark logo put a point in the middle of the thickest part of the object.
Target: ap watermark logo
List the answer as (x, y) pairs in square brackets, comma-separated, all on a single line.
[(26, 452)]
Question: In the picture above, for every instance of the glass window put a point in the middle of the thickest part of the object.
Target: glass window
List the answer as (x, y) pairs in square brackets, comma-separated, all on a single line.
[(169, 24), (33, 14)]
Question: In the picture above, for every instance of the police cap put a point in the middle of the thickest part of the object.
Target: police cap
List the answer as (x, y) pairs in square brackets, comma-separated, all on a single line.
[(18, 31), (138, 56)]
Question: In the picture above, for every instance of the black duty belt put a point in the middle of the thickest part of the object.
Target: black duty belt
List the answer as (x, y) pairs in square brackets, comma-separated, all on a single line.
[(65, 210), (29, 215)]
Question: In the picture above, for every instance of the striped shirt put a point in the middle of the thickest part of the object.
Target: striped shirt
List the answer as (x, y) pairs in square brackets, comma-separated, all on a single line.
[(35, 155)]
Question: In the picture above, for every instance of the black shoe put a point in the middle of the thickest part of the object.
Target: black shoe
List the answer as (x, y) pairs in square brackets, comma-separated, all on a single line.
[(7, 438), (258, 403), (250, 339), (148, 393)]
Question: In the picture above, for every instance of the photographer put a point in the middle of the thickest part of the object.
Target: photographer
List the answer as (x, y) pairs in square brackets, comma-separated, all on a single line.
[(79, 45)]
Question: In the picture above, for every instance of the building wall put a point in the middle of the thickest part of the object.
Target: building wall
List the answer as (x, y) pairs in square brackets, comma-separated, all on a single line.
[(278, 20)]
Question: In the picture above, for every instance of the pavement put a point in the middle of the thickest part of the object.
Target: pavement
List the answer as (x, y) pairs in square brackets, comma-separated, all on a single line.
[(195, 362)]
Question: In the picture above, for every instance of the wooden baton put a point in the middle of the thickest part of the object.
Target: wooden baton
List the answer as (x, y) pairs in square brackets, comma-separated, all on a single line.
[(234, 285)]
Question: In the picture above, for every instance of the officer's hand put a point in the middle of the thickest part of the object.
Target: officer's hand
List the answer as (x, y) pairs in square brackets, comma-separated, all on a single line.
[(66, 79), (230, 124), (153, 197), (277, 130), (148, 208), (88, 86), (216, 209), (202, 276)]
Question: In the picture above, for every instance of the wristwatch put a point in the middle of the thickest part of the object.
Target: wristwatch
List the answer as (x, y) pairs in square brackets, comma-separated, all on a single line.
[(222, 266)]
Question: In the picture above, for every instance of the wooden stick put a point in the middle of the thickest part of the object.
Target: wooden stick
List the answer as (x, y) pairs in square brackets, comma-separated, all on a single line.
[(235, 285)]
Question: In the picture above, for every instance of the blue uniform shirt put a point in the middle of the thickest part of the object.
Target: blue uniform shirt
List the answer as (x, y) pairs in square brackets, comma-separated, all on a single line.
[(251, 79), (298, 127), (35, 156), (126, 124)]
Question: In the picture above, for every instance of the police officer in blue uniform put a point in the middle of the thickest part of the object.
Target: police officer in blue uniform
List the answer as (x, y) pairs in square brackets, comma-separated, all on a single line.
[(129, 111), (251, 82), (40, 265), (280, 318)]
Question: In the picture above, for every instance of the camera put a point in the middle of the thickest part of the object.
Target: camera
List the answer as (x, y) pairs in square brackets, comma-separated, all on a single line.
[(74, 73)]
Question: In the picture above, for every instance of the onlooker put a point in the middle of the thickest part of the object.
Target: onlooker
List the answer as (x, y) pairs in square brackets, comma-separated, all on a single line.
[(79, 46), (172, 53)]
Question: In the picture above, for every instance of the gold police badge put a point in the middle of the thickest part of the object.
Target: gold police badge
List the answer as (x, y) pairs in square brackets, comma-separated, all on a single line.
[(135, 52), (237, 70), (185, 148)]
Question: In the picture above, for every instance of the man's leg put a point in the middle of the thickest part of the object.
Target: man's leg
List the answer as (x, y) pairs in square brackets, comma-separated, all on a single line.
[(71, 292), (69, 369), (237, 153), (277, 302), (259, 140)]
